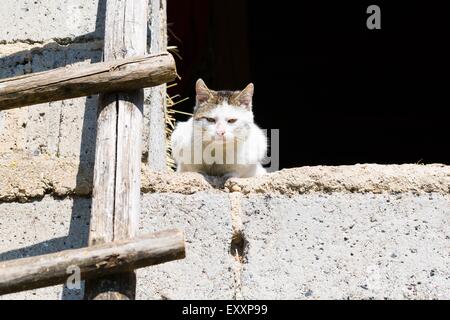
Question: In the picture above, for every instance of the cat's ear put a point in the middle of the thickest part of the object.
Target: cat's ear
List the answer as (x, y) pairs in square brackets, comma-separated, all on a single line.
[(202, 92), (245, 97)]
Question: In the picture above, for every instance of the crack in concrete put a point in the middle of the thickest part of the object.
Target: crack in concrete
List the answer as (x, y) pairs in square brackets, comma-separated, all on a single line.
[(60, 41), (36, 48), (61, 117), (238, 243)]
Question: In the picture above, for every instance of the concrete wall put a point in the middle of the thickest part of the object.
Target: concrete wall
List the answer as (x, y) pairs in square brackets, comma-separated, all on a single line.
[(306, 233), (363, 231), (38, 35)]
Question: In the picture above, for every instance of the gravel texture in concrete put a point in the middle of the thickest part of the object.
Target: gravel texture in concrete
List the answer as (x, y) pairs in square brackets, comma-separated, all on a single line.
[(346, 246), (207, 272), (263, 246)]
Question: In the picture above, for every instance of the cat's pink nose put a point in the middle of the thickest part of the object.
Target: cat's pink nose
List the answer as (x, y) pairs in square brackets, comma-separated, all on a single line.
[(220, 132)]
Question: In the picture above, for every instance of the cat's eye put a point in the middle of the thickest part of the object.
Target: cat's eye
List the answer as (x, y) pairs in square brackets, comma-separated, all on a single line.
[(232, 120), (212, 120)]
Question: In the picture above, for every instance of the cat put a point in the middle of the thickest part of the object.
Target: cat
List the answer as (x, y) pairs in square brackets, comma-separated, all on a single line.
[(221, 138)]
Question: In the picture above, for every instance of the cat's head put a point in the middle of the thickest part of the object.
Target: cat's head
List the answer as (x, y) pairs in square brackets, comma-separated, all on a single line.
[(223, 116)]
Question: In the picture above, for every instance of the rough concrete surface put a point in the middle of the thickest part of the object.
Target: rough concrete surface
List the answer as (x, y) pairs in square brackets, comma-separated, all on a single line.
[(51, 225), (346, 246), (313, 246), (23, 20), (24, 177), (39, 35), (356, 178), (207, 270), (58, 129), (40, 227)]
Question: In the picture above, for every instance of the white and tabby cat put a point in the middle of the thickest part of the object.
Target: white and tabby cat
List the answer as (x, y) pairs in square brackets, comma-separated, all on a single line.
[(221, 138)]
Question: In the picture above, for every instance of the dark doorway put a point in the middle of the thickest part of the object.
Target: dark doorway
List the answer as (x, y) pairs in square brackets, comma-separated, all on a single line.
[(339, 92)]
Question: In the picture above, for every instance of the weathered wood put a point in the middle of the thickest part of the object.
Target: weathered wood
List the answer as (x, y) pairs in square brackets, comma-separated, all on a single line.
[(157, 95), (100, 260), (64, 83), (125, 36), (128, 171), (102, 212)]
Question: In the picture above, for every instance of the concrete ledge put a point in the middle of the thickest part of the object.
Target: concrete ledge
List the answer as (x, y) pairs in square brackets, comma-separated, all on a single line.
[(24, 177), (360, 178)]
